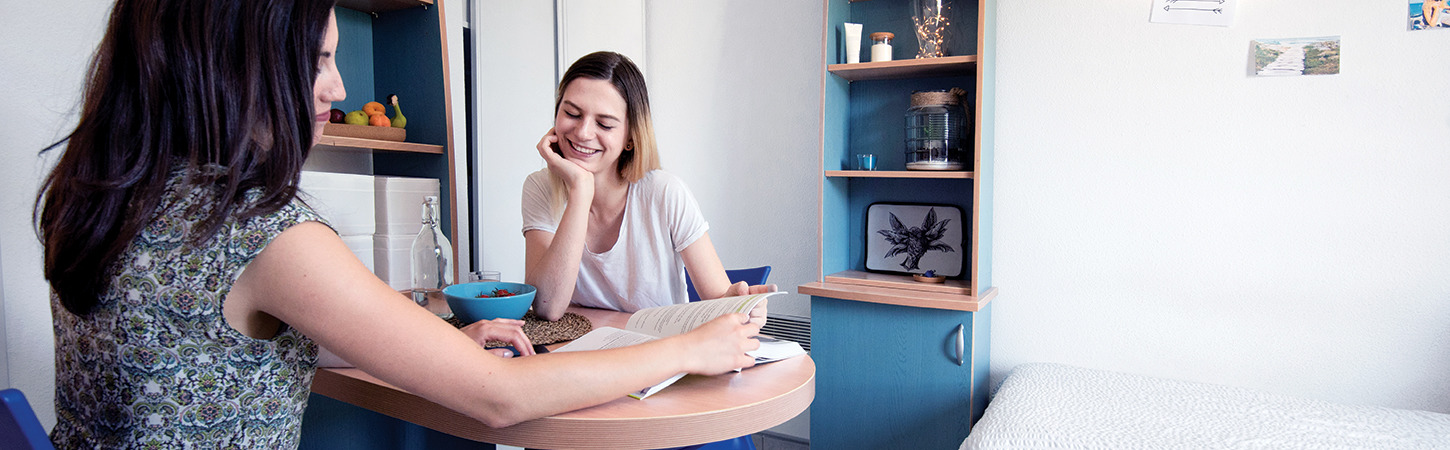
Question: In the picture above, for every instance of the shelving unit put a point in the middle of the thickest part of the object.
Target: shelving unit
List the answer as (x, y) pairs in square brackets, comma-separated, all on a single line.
[(927, 395), (397, 47), (392, 47)]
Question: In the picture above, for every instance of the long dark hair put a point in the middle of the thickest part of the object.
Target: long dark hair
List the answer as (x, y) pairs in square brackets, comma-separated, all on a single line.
[(219, 88)]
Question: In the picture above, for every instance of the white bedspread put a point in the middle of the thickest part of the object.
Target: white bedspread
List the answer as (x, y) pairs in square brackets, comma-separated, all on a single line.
[(1064, 407)]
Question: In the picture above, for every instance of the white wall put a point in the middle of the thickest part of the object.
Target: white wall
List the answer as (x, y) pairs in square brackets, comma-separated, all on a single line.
[(735, 95), (1160, 212), (515, 90), (44, 51), (4, 356)]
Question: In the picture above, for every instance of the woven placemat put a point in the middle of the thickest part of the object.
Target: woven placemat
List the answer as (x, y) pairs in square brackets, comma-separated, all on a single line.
[(543, 332)]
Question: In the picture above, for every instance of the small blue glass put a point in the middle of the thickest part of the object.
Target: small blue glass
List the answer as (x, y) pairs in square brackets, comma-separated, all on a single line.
[(865, 161)]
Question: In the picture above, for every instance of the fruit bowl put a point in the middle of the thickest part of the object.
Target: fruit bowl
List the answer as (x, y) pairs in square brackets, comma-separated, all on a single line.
[(464, 300), (365, 132)]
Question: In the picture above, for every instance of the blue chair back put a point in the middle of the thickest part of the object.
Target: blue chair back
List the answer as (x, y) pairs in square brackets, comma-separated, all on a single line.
[(751, 276), (18, 426)]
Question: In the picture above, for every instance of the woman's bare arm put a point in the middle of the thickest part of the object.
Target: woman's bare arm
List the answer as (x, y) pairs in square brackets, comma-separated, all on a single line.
[(708, 276), (307, 278)]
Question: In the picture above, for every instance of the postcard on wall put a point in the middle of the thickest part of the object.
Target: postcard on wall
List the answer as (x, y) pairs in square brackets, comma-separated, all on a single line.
[(1296, 56), (1219, 13), (1427, 14)]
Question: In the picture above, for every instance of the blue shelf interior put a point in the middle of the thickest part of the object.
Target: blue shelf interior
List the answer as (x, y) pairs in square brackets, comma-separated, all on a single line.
[(865, 191), (895, 16), (399, 52), (869, 117)]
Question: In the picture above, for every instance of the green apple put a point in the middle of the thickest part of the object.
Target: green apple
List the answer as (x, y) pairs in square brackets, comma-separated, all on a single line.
[(356, 118)]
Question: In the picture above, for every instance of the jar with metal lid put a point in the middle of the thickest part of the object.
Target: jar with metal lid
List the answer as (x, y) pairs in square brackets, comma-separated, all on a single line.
[(937, 132)]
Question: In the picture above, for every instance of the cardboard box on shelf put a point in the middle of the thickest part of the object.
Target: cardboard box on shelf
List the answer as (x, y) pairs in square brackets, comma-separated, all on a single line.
[(391, 258), (362, 246), (399, 204), (345, 200)]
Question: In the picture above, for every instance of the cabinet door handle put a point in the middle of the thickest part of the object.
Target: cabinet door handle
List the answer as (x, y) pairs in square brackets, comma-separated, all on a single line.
[(961, 344)]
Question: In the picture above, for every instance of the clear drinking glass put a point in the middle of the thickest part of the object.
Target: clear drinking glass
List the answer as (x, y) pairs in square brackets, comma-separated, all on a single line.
[(932, 20), (483, 275), (866, 161)]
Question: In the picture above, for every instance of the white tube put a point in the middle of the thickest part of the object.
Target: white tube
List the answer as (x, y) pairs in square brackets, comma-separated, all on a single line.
[(853, 42)]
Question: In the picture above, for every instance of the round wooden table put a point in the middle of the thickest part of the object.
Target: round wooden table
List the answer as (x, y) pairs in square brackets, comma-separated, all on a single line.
[(694, 410)]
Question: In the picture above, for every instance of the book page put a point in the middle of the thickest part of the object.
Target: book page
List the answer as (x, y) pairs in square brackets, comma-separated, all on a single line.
[(605, 337), (772, 350), (679, 318), (608, 337), (646, 392)]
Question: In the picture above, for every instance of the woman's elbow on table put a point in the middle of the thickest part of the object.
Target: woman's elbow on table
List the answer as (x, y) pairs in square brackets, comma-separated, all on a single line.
[(498, 418), (499, 411), (550, 309)]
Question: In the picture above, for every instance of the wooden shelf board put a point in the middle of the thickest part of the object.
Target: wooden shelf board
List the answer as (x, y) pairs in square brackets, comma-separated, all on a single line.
[(906, 68), (351, 143), (377, 6), (901, 297), (956, 174), (904, 282)]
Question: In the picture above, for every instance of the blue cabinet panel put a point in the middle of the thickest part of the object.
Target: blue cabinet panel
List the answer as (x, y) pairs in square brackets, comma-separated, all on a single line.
[(331, 424), (887, 376)]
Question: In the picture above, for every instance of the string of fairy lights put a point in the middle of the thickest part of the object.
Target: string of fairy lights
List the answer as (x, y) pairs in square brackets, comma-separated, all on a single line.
[(931, 29)]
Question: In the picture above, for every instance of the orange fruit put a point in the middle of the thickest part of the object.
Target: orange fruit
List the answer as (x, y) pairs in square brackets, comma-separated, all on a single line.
[(379, 120), (374, 108)]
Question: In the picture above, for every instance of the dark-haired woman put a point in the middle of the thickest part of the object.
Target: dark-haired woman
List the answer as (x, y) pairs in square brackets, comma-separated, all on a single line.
[(604, 227), (190, 287)]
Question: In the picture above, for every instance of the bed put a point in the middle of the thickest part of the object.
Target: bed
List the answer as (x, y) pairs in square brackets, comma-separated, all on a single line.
[(1057, 406)]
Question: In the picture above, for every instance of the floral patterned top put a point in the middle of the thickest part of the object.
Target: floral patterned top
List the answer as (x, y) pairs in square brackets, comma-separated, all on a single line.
[(155, 365)]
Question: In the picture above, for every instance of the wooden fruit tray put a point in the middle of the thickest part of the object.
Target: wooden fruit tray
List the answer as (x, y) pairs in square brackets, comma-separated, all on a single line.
[(365, 132)]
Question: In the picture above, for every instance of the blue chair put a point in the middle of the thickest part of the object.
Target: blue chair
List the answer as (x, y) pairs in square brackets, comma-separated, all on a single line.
[(18, 426), (751, 276)]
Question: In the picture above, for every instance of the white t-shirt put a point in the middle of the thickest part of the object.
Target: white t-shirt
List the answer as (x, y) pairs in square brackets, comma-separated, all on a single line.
[(644, 268)]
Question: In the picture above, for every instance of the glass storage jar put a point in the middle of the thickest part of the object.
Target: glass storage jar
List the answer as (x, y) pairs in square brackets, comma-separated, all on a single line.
[(937, 131), (881, 45)]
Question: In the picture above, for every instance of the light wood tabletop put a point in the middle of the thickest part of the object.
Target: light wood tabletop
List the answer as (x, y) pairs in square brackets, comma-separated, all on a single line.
[(694, 410)]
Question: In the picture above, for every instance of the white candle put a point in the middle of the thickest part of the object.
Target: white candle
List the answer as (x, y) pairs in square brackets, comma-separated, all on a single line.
[(880, 52)]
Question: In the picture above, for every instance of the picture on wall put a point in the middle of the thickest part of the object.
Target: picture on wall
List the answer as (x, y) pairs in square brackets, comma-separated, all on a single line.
[(1427, 14), (912, 238), (1296, 56)]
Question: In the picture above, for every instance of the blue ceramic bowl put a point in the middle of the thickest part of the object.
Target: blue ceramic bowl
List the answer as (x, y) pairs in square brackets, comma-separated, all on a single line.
[(463, 300)]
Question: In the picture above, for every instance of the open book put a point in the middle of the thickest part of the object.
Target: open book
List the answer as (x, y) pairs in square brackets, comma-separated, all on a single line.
[(653, 323)]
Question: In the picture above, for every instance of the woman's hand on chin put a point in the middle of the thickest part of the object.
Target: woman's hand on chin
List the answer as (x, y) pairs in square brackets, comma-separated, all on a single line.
[(571, 172)]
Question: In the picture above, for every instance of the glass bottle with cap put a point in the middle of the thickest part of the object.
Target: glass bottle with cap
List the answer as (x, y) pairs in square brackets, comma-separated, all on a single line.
[(432, 257)]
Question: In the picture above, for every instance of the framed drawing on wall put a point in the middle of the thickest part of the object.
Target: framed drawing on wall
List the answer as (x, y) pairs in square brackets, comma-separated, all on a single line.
[(912, 238)]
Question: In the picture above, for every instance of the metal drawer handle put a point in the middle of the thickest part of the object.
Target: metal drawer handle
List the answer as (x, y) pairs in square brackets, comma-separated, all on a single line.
[(961, 344)]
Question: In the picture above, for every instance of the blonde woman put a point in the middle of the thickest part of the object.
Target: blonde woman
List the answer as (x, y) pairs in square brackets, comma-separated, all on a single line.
[(604, 226)]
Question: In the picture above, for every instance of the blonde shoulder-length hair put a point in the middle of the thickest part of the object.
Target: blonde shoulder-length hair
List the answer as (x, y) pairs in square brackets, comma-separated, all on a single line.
[(618, 70)]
